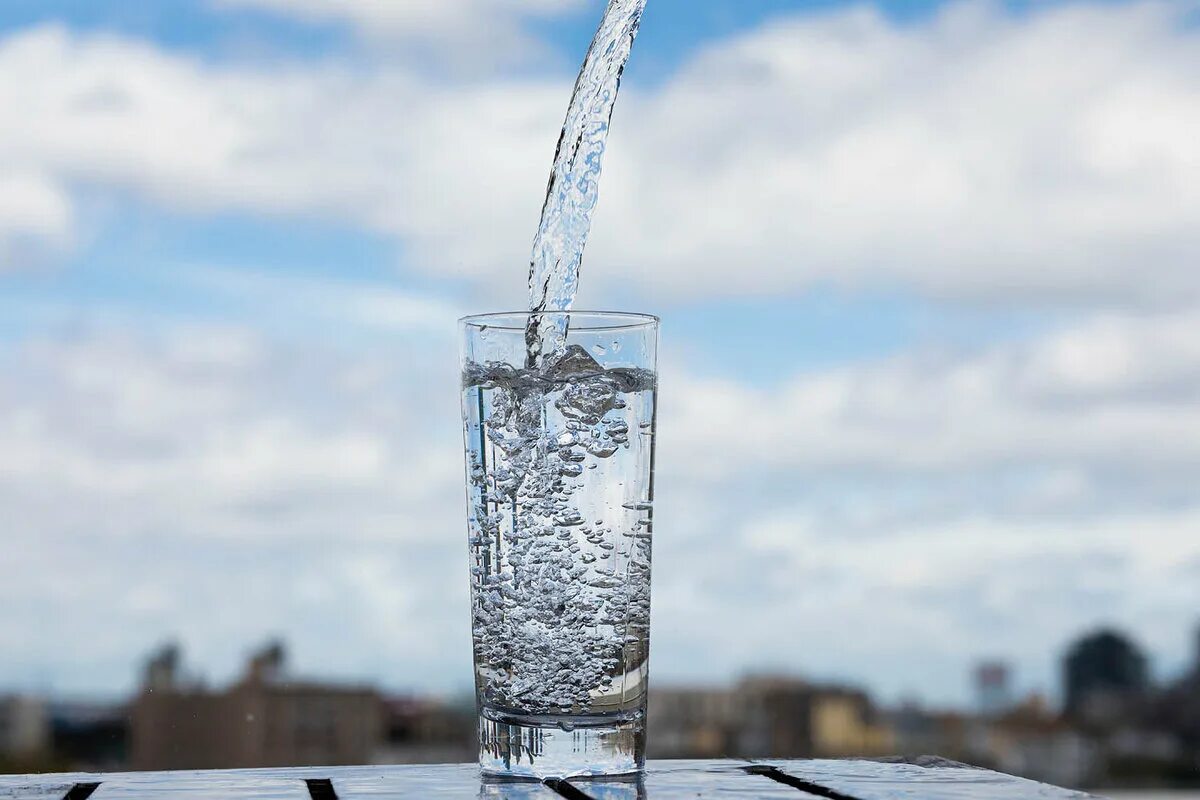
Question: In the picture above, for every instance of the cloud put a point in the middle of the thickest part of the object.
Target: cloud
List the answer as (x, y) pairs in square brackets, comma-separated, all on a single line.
[(385, 152), (211, 413), (1114, 391), (975, 155), (36, 219), (957, 157), (325, 302), (217, 484), (484, 26), (214, 484), (954, 504), (209, 484), (786, 590)]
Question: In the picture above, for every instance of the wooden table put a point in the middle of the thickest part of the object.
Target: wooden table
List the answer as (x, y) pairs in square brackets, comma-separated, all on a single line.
[(918, 779)]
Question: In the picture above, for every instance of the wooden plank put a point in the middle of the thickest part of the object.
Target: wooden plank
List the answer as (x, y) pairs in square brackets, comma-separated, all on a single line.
[(35, 789), (935, 780), (712, 779), (929, 779), (213, 785), (41, 787), (438, 782), (493, 789), (691, 779)]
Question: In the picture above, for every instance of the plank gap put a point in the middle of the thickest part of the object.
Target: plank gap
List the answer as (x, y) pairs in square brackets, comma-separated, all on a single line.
[(81, 791), (564, 789), (321, 789), (780, 776)]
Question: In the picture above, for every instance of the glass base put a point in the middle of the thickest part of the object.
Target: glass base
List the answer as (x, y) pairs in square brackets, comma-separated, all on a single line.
[(552, 746)]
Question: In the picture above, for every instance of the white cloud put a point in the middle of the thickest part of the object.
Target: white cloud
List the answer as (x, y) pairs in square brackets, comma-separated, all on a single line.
[(974, 155), (927, 599), (347, 304), (212, 485), (209, 483), (481, 26), (36, 219), (211, 413), (953, 505), (1049, 155), (385, 151), (1115, 391)]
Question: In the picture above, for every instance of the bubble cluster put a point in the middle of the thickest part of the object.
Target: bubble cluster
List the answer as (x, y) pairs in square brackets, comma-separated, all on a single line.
[(559, 473)]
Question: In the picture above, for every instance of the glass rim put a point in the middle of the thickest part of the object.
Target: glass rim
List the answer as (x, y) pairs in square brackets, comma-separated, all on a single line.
[(507, 320)]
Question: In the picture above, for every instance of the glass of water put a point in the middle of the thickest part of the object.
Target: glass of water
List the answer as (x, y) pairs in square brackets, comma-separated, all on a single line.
[(560, 494)]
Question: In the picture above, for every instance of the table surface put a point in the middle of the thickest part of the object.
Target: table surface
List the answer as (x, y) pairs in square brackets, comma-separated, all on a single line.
[(923, 778)]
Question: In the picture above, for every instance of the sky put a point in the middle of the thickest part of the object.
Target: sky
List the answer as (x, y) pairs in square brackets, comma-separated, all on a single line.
[(929, 288)]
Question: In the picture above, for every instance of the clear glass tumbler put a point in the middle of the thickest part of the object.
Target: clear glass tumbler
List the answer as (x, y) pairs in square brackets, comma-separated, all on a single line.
[(560, 493)]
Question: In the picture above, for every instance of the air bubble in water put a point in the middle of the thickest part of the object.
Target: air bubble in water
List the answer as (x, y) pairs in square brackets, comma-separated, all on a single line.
[(548, 622)]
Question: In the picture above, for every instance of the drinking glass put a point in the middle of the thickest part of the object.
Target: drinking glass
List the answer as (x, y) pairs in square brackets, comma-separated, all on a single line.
[(560, 496)]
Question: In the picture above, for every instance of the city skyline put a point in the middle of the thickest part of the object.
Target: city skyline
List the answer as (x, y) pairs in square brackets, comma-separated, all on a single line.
[(1116, 727), (993, 685), (929, 372)]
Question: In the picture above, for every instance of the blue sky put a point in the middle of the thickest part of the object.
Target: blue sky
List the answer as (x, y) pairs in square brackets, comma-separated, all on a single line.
[(191, 23), (926, 272)]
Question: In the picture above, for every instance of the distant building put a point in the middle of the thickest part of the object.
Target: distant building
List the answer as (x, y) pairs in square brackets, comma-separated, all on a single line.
[(1105, 678), (265, 719), (90, 736), (24, 727), (424, 731), (162, 671), (992, 691), (765, 717), (1196, 655), (790, 718), (1033, 741), (692, 722), (1178, 707), (1178, 711), (920, 731)]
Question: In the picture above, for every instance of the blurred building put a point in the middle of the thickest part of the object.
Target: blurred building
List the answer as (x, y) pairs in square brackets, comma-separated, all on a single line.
[(90, 736), (789, 718), (993, 694), (1034, 741), (264, 719), (1105, 679), (1178, 710), (1115, 728), (692, 722), (921, 731), (426, 731), (24, 727), (765, 717)]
